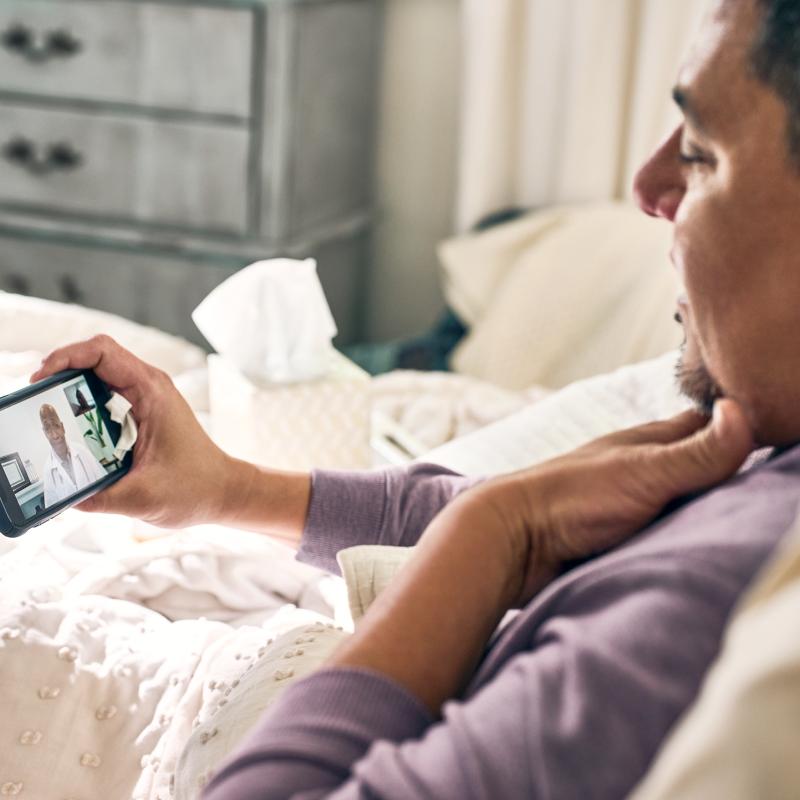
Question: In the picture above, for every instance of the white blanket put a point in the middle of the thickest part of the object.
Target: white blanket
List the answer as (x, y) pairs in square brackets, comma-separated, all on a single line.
[(112, 650), (433, 408)]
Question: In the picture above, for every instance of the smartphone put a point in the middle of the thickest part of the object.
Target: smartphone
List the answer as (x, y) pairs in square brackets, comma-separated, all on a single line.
[(57, 443)]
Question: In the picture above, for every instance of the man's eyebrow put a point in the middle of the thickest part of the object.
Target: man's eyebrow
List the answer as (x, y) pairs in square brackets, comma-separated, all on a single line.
[(684, 102)]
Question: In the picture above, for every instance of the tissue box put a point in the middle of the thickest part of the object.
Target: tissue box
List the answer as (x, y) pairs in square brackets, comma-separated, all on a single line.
[(319, 423)]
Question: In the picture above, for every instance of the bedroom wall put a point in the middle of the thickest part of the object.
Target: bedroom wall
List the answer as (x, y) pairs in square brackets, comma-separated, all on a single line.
[(416, 164)]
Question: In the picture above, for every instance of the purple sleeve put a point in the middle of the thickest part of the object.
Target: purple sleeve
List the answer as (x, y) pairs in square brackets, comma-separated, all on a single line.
[(391, 507), (577, 713)]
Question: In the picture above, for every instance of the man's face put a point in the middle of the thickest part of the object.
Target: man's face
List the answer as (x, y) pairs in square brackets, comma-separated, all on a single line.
[(53, 427), (725, 180)]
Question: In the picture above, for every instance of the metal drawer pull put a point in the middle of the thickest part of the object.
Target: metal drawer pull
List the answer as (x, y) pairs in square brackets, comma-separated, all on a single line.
[(59, 156), (70, 290), (18, 284), (22, 41)]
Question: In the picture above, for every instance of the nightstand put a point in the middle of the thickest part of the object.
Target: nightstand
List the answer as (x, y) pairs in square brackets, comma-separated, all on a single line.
[(150, 148)]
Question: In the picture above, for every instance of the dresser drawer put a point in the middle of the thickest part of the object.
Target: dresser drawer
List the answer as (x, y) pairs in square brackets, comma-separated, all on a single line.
[(181, 57), (162, 289), (153, 289), (118, 168)]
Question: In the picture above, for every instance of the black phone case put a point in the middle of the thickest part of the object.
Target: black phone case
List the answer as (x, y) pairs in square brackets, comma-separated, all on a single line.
[(8, 526)]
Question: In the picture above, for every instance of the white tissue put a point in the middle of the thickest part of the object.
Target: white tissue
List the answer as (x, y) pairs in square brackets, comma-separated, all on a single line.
[(120, 411), (271, 320)]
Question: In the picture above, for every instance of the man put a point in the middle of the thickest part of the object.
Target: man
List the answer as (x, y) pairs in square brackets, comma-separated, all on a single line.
[(70, 466), (573, 697)]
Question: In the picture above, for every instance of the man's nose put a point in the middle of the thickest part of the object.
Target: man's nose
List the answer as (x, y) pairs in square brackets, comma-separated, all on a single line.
[(659, 185)]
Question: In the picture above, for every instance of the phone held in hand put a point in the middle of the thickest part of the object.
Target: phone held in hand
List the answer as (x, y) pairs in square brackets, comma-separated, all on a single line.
[(57, 443)]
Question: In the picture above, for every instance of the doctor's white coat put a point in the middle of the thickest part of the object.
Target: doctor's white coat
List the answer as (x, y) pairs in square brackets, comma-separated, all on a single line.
[(57, 483)]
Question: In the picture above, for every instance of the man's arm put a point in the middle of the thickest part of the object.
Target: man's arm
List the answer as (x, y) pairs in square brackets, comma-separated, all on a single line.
[(180, 477), (388, 507), (583, 674), (578, 715)]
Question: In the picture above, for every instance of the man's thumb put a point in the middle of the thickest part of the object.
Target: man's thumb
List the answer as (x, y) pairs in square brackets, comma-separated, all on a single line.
[(107, 500), (713, 454)]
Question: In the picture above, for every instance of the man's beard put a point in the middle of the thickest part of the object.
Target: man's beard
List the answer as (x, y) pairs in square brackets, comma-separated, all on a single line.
[(696, 383)]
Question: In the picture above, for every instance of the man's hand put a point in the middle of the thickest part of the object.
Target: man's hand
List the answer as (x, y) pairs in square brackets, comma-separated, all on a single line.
[(179, 476), (596, 497)]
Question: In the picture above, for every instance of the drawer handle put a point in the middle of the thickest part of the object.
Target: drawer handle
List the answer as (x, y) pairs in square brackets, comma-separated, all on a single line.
[(18, 284), (56, 157), (70, 291), (22, 41)]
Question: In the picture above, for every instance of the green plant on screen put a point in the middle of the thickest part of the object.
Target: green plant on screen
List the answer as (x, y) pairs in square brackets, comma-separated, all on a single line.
[(96, 431)]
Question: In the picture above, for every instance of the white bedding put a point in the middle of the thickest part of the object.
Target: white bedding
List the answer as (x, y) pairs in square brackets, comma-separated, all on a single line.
[(430, 409), (112, 650)]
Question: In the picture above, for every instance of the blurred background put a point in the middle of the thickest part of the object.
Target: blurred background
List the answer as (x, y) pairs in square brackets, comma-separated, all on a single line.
[(150, 148)]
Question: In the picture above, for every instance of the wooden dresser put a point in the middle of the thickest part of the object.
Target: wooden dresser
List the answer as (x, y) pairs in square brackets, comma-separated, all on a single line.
[(150, 148)]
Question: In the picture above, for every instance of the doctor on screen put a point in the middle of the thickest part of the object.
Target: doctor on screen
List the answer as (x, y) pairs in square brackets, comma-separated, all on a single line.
[(70, 466)]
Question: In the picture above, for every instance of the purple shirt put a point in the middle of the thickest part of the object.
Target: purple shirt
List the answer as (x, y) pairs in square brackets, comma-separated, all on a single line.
[(572, 698)]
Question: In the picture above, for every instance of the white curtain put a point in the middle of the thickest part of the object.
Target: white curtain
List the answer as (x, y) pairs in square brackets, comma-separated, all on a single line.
[(562, 99)]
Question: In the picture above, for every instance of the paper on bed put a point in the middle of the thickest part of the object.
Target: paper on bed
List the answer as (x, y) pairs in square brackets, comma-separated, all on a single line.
[(567, 419)]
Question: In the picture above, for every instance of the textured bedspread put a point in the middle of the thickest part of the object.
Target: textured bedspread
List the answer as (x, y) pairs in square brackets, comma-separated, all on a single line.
[(113, 650)]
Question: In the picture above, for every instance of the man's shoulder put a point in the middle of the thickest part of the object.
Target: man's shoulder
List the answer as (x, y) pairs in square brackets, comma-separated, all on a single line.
[(782, 459), (724, 535), (720, 538)]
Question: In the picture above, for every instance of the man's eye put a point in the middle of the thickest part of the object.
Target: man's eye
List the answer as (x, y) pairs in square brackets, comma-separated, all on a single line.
[(692, 156)]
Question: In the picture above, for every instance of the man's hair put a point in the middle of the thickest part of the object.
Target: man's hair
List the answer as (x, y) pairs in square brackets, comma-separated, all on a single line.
[(776, 60)]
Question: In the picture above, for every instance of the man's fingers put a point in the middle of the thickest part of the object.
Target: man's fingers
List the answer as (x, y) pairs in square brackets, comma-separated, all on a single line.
[(123, 497), (88, 354), (662, 432), (710, 455), (674, 429), (112, 363), (92, 505)]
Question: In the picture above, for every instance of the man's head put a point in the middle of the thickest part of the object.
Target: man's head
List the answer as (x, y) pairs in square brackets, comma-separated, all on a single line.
[(53, 428), (729, 180)]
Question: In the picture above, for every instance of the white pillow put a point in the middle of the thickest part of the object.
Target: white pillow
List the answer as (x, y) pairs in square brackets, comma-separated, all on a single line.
[(474, 265), (592, 292)]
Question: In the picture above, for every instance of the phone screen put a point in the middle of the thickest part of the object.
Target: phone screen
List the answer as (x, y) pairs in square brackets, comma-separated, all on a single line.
[(55, 445)]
